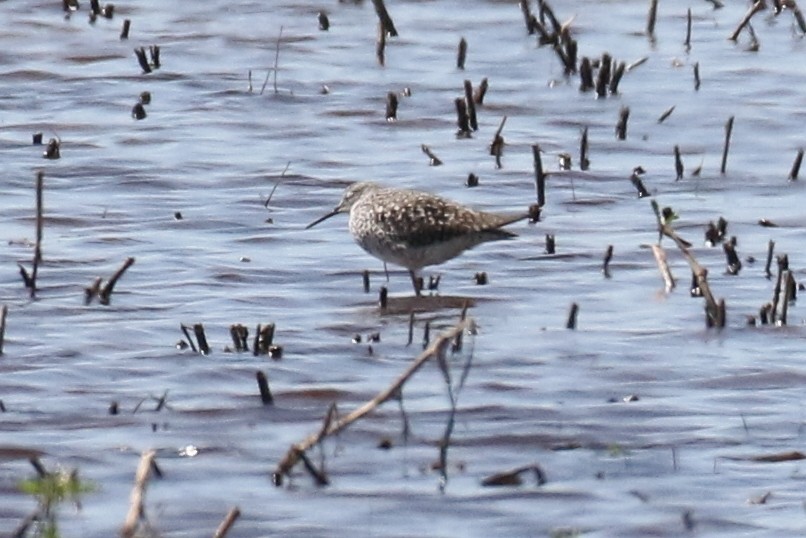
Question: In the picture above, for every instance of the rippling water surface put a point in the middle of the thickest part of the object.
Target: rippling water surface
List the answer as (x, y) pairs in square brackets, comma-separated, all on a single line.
[(643, 421)]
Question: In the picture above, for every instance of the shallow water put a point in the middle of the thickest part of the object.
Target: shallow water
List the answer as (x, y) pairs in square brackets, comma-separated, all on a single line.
[(536, 394)]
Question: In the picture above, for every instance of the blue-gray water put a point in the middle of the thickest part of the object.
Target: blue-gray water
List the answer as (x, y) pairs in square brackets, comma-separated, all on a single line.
[(536, 394)]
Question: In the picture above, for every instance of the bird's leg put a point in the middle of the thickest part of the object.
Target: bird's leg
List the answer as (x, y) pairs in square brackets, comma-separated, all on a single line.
[(415, 282)]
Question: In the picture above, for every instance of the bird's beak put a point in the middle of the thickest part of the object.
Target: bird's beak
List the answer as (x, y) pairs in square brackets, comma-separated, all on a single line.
[(320, 219)]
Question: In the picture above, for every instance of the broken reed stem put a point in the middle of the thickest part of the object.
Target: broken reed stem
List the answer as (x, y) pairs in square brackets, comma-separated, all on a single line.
[(40, 176), (572, 317), (391, 106), (471, 106), (433, 159), (105, 294), (653, 15), (793, 174), (697, 81), (770, 249), (383, 15), (714, 311), (759, 5), (726, 147), (621, 125), (263, 387), (380, 45), (227, 523), (663, 266), (678, 163), (584, 162), (436, 350), (540, 176), (3, 315), (137, 499), (687, 42), (481, 91), (461, 54), (277, 58), (783, 266), (606, 263), (793, 5)]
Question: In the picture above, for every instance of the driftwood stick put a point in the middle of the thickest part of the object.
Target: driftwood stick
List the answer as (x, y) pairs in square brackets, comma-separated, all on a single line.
[(137, 499), (227, 523), (297, 451)]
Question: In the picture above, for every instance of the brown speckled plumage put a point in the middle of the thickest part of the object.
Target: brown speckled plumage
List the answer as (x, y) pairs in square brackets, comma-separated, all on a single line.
[(415, 229)]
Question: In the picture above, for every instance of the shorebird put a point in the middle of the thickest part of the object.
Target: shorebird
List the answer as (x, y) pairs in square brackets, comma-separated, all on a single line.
[(415, 229)]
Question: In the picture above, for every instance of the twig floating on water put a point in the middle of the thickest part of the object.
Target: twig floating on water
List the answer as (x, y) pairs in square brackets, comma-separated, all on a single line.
[(513, 478), (227, 523)]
